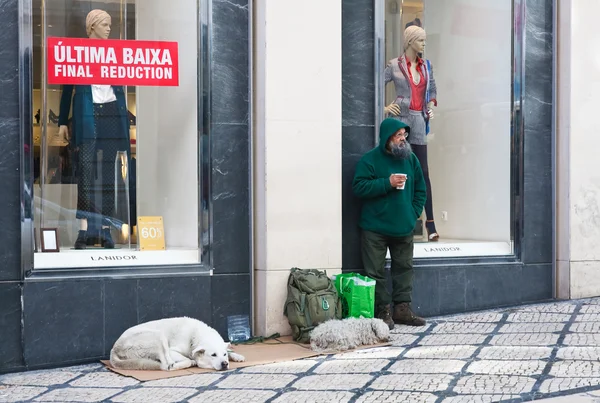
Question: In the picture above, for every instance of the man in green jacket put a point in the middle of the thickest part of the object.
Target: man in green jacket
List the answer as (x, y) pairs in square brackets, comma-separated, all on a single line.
[(390, 182)]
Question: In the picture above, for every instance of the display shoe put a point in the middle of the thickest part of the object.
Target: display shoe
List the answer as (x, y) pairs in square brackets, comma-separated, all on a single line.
[(81, 241), (53, 117), (383, 313), (403, 315), (433, 236), (93, 237), (107, 241)]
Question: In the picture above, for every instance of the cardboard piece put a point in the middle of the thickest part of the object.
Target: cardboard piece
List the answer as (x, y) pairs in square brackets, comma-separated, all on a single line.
[(268, 352), (147, 375)]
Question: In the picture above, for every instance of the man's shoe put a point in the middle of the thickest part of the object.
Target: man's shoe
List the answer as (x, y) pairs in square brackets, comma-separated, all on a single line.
[(384, 313), (404, 316)]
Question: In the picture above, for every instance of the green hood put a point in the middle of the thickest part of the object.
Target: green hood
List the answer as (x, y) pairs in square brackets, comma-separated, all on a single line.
[(387, 128)]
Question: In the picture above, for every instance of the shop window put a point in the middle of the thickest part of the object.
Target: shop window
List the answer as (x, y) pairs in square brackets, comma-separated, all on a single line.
[(118, 162), (467, 144)]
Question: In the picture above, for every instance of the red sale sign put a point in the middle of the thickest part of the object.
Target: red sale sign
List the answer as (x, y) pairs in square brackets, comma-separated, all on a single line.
[(112, 62)]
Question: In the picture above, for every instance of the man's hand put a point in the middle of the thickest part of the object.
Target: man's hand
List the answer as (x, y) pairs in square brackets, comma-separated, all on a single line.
[(397, 180)]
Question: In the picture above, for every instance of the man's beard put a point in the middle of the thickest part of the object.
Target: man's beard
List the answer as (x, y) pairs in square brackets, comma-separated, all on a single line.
[(401, 150)]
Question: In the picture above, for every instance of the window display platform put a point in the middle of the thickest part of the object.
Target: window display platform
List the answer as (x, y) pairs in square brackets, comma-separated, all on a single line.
[(460, 248), (72, 258)]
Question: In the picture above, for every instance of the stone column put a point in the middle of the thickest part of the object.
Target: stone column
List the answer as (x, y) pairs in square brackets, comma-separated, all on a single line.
[(297, 141), (578, 142)]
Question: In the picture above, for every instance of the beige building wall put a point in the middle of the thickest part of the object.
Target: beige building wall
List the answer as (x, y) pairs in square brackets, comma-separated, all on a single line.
[(578, 146), (297, 148)]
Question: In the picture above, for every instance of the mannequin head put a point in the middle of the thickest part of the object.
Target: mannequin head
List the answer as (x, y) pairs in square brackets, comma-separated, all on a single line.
[(97, 24), (414, 39)]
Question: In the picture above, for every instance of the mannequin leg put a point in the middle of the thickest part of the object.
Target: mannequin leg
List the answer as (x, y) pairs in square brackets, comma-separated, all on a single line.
[(85, 200), (111, 140), (421, 153)]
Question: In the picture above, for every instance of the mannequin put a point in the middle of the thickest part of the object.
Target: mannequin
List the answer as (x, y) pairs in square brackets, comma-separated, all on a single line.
[(415, 98), (100, 130)]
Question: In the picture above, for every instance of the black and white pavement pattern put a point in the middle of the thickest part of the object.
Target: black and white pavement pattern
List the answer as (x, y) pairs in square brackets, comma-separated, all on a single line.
[(515, 354)]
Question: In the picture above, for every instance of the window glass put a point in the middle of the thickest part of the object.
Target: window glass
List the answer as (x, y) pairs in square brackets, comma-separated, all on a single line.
[(116, 132), (462, 75)]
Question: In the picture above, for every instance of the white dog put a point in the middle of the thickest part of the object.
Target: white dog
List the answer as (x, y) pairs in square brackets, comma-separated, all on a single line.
[(340, 335), (171, 344)]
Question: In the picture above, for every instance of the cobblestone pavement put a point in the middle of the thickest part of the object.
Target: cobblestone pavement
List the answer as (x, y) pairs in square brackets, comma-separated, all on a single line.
[(510, 355), (587, 397)]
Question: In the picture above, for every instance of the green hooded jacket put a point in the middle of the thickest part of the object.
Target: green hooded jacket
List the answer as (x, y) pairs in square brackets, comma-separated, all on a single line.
[(387, 210)]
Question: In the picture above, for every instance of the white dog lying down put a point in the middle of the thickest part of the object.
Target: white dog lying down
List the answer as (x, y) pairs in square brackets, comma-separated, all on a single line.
[(340, 335), (171, 344)]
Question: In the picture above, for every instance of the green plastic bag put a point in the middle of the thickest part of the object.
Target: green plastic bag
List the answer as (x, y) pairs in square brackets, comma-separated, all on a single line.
[(357, 294)]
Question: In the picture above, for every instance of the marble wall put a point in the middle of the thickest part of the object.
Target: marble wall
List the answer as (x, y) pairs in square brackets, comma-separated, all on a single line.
[(537, 182), (11, 355), (10, 138), (230, 137), (358, 114), (456, 285)]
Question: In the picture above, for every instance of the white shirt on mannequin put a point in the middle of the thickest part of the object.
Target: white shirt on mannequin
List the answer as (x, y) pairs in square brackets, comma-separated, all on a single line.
[(102, 94)]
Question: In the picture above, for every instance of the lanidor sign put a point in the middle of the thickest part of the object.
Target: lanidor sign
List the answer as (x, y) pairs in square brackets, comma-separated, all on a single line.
[(113, 62)]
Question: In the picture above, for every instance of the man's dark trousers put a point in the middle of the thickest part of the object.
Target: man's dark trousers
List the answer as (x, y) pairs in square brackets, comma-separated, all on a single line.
[(374, 248)]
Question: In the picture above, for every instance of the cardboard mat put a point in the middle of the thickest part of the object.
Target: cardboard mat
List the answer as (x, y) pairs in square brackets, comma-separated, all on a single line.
[(268, 352)]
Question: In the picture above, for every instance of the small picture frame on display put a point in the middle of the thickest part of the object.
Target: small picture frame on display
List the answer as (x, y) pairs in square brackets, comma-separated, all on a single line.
[(49, 239)]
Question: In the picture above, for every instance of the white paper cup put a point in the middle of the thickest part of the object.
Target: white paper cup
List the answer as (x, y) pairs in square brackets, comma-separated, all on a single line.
[(403, 184)]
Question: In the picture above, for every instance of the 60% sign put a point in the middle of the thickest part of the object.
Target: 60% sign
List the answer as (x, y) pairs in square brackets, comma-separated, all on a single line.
[(151, 233)]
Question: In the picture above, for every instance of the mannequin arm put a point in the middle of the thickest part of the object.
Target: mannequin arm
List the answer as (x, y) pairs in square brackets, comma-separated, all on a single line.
[(392, 109), (65, 108), (432, 86), (63, 132), (430, 106), (65, 105)]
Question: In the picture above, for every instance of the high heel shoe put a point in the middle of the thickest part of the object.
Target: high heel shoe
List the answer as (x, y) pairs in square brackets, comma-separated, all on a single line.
[(432, 235), (81, 241), (52, 117), (107, 241)]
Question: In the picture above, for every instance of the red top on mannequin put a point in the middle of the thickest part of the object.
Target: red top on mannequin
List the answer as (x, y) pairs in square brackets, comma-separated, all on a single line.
[(418, 90)]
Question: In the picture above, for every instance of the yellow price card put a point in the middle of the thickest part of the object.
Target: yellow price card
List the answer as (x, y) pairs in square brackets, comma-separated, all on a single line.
[(151, 233)]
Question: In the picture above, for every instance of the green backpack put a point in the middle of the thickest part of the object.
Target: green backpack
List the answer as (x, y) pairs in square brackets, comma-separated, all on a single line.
[(312, 299)]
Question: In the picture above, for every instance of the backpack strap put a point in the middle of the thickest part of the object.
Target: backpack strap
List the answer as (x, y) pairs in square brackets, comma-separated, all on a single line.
[(303, 309)]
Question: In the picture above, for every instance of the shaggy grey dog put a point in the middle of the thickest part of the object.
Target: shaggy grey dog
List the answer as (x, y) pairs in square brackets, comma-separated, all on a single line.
[(340, 335)]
